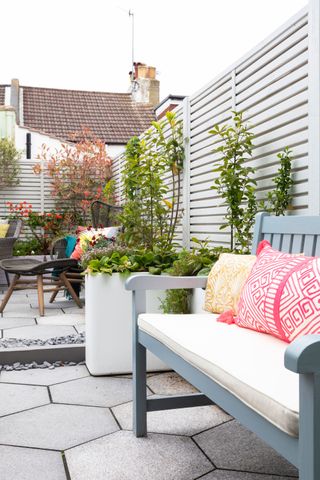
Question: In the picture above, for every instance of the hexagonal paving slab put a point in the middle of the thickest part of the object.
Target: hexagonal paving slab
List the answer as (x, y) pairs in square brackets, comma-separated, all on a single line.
[(169, 383), (97, 391), (29, 464), (39, 331), (15, 398), (182, 421), (231, 446), (233, 475), (56, 427), (122, 456), (45, 376)]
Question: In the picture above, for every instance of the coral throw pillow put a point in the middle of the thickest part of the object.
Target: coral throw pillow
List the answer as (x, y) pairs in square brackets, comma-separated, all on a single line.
[(225, 282), (4, 227), (282, 295)]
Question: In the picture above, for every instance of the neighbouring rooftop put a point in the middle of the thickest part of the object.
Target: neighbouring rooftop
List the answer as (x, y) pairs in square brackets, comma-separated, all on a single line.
[(112, 117)]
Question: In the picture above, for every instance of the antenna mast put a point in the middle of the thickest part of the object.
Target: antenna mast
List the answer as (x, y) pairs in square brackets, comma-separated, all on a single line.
[(131, 14)]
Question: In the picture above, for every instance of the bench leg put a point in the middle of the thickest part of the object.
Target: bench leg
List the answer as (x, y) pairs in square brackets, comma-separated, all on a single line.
[(309, 427), (139, 392), (139, 369)]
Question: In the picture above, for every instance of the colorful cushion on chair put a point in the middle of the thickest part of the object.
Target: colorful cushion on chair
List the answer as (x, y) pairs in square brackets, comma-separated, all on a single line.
[(87, 235), (281, 295), (225, 282)]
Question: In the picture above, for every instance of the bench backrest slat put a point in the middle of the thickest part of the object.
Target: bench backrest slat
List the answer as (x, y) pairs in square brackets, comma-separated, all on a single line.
[(292, 234)]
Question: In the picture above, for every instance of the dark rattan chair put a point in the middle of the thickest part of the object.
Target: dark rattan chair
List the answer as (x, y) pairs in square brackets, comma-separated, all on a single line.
[(6, 243), (104, 215)]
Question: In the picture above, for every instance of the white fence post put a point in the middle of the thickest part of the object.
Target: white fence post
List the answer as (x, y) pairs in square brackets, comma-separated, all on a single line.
[(314, 107), (186, 175)]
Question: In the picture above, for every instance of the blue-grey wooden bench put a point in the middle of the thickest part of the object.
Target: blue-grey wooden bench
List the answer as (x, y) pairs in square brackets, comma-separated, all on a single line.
[(288, 418)]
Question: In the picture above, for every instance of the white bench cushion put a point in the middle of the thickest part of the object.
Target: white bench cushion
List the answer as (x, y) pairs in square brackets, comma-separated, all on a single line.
[(248, 364)]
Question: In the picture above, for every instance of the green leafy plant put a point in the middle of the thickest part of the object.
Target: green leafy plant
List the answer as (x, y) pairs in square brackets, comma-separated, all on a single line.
[(9, 163), (149, 218), (109, 192), (279, 199), (235, 183), (27, 247), (198, 261), (118, 258)]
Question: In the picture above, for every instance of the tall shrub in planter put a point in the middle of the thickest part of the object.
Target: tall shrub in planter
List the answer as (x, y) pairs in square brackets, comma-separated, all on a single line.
[(149, 218), (150, 213)]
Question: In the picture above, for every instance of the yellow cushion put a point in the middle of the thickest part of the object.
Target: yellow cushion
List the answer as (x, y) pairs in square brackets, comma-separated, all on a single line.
[(225, 282), (4, 227)]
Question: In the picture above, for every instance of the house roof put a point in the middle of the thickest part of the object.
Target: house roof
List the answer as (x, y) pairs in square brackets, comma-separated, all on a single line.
[(112, 117)]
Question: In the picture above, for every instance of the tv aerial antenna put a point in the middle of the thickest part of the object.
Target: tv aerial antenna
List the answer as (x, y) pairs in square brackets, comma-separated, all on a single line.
[(134, 84)]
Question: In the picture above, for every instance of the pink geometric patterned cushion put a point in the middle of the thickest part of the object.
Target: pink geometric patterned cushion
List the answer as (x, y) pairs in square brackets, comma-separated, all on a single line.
[(281, 295)]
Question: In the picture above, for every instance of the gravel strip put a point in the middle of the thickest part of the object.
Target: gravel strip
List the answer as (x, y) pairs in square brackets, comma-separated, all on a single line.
[(77, 338), (28, 366)]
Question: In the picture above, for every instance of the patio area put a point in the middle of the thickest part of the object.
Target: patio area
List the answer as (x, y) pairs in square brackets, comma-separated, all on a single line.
[(60, 423)]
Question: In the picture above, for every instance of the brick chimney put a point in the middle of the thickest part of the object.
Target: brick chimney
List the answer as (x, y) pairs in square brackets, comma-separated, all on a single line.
[(15, 98), (144, 85)]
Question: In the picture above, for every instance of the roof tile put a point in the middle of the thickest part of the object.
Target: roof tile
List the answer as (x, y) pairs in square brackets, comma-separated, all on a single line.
[(113, 117)]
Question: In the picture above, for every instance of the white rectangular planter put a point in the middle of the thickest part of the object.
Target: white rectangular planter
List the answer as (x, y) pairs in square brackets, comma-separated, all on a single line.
[(197, 300), (109, 325)]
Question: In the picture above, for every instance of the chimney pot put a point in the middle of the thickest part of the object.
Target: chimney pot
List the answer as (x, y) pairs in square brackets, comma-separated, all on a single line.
[(146, 86)]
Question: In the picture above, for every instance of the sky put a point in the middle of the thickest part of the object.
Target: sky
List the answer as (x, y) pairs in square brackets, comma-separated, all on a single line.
[(87, 44)]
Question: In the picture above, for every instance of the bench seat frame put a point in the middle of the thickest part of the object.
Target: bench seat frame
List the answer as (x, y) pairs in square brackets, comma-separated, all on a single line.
[(290, 234)]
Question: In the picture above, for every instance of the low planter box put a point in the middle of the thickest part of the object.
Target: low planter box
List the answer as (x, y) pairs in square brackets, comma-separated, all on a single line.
[(109, 325)]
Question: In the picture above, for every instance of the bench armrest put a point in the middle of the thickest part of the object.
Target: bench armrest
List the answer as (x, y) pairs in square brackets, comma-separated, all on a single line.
[(303, 355), (163, 282)]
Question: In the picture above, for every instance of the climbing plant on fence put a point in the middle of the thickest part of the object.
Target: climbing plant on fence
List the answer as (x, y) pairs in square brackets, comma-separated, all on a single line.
[(149, 217), (236, 184)]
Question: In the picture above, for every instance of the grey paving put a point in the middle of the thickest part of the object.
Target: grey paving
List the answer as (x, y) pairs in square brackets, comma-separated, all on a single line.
[(76, 310), (58, 303), (97, 391), (13, 322), (169, 383), (62, 319), (29, 464), (184, 421), (15, 398), (231, 446), (233, 475), (27, 312), (122, 456), (56, 427), (44, 376), (80, 328), (39, 331)]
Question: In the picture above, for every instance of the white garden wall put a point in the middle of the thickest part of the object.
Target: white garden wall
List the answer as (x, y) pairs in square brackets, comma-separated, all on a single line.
[(270, 85)]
